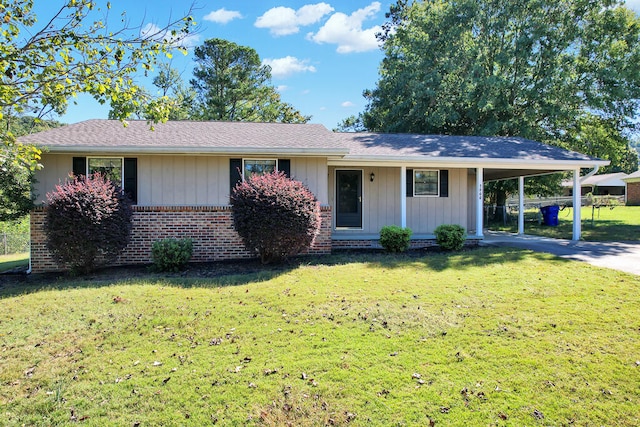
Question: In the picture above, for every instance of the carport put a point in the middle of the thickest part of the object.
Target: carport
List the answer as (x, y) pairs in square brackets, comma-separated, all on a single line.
[(494, 174), (489, 158)]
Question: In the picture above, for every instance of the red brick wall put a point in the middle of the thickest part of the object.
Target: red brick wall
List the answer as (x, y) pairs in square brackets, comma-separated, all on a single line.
[(211, 229), (375, 244), (633, 193)]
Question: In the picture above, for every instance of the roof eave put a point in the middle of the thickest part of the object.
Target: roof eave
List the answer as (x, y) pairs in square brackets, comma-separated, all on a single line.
[(465, 162), (274, 151)]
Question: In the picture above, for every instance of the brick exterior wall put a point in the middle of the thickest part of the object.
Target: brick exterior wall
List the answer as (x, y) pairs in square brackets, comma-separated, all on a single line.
[(375, 244), (633, 193), (211, 229)]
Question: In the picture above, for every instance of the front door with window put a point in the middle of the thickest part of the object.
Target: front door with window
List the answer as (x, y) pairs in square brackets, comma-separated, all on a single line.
[(349, 198)]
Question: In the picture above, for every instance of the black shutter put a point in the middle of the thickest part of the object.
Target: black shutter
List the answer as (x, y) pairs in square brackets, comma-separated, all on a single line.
[(409, 182), (235, 174), (79, 166), (130, 185), (284, 165), (444, 183)]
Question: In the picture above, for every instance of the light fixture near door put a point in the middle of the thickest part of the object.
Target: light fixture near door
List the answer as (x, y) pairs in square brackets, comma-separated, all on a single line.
[(372, 176)]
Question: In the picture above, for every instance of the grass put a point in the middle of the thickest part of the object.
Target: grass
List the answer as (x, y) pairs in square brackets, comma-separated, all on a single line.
[(621, 223), (13, 261), (483, 337)]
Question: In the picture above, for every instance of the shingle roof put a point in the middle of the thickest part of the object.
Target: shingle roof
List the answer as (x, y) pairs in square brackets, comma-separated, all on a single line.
[(604, 180), (236, 138), (444, 147), (633, 176), (189, 136)]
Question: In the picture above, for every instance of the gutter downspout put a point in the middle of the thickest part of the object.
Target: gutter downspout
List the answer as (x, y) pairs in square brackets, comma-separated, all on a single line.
[(589, 175)]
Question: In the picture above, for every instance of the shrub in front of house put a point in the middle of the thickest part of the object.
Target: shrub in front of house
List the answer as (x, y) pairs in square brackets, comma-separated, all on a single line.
[(171, 254), (450, 237), (87, 222), (276, 217), (394, 238)]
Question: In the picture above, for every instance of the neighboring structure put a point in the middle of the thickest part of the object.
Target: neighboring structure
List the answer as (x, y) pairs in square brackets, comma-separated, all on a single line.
[(609, 184), (633, 188), (181, 174)]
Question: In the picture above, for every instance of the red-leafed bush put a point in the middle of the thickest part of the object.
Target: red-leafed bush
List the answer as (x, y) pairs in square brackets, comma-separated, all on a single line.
[(88, 222), (275, 216)]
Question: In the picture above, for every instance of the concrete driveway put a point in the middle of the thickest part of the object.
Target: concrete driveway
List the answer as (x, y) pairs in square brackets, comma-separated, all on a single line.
[(618, 256)]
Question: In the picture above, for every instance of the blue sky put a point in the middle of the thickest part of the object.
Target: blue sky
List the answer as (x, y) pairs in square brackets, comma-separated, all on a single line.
[(323, 54)]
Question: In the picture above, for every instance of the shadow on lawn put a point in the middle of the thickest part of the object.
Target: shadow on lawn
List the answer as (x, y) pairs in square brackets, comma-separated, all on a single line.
[(463, 260), (213, 274), (601, 230), (238, 273)]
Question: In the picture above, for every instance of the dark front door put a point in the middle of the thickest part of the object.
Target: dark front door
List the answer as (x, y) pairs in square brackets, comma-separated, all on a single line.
[(349, 199)]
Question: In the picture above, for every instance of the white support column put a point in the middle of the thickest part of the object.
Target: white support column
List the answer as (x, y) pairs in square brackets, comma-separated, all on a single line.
[(577, 205), (479, 202), (403, 196), (521, 206)]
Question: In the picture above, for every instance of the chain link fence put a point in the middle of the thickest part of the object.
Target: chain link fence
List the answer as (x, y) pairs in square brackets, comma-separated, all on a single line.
[(14, 237), (13, 243)]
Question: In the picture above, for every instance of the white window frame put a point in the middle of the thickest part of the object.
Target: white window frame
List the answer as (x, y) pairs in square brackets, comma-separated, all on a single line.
[(121, 184), (437, 194), (244, 161)]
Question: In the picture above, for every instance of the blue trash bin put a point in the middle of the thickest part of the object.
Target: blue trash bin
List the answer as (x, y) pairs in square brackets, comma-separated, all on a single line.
[(550, 215)]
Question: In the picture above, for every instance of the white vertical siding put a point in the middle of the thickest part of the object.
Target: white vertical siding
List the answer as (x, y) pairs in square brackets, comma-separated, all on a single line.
[(424, 214), (312, 171), (381, 198), (183, 180), (57, 169), (381, 202)]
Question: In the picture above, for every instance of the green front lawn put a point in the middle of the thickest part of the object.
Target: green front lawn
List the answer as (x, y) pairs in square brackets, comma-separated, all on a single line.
[(484, 337), (13, 261), (621, 223)]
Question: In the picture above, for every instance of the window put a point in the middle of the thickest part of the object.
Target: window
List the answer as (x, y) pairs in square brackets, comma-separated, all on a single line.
[(111, 167), (238, 168), (426, 183), (258, 167)]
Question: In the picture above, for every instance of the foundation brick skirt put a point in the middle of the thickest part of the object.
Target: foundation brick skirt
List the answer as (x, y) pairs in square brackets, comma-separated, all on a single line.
[(210, 228), (375, 244)]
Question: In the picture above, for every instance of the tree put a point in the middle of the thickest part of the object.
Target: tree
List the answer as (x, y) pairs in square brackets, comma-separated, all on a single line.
[(351, 124), (548, 70), (180, 97), (232, 84), (605, 139), (43, 65), (15, 181), (15, 189)]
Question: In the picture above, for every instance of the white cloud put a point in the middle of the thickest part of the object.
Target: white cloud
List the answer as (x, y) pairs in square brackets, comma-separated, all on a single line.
[(282, 88), (154, 32), (222, 16), (282, 21), (285, 67), (348, 104), (347, 32)]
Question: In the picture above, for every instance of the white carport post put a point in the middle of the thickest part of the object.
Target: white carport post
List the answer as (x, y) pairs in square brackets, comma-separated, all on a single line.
[(479, 202), (521, 205), (403, 196), (577, 205)]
